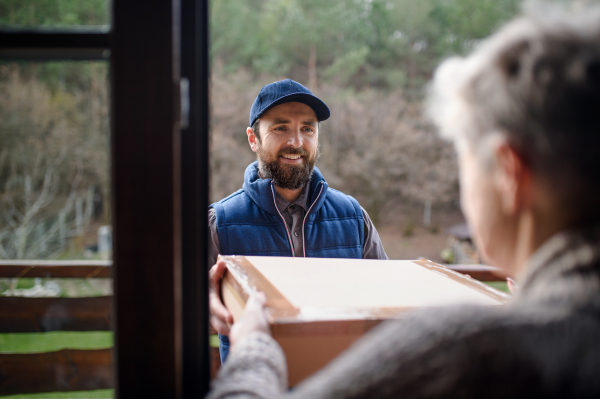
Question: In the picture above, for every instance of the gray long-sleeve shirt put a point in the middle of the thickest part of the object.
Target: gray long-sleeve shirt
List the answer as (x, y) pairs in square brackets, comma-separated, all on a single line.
[(543, 344), (294, 213)]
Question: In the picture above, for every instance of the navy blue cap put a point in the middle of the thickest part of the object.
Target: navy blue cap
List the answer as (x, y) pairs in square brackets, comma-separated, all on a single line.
[(286, 91)]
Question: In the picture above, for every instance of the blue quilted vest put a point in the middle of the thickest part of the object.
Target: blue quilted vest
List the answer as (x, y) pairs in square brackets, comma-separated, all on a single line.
[(249, 223)]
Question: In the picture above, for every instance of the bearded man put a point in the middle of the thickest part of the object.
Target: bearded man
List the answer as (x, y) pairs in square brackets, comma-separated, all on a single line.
[(285, 207)]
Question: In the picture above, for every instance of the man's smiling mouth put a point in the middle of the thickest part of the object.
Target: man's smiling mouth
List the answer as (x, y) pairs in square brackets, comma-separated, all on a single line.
[(291, 156)]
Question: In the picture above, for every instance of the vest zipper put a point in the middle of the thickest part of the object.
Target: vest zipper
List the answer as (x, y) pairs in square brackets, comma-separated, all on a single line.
[(284, 223), (304, 221)]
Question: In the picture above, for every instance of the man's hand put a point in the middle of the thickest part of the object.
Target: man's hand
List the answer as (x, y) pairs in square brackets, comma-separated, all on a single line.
[(220, 318), (253, 320)]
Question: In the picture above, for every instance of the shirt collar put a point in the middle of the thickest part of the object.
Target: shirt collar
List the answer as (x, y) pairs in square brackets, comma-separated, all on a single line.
[(302, 200)]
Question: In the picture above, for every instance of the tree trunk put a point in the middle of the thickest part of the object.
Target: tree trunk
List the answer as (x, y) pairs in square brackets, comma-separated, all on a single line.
[(95, 81), (427, 213), (312, 68)]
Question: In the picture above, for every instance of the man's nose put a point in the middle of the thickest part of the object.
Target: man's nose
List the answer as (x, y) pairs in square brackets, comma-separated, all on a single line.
[(295, 139)]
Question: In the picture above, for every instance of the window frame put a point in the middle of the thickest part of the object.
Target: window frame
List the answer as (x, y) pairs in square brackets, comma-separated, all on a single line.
[(160, 302)]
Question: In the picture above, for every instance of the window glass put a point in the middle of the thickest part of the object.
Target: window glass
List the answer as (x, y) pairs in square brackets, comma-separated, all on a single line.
[(55, 13), (54, 160), (54, 206)]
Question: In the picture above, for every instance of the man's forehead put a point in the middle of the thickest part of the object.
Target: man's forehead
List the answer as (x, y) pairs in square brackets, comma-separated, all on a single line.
[(283, 121), (284, 113)]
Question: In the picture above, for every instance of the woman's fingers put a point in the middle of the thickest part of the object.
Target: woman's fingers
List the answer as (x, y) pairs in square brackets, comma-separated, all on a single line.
[(253, 320), (256, 302)]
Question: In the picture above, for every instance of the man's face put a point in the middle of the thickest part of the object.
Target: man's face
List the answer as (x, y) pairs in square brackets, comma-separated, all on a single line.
[(288, 146)]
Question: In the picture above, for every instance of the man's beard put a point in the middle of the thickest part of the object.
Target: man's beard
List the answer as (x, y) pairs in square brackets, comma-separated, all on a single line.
[(287, 176)]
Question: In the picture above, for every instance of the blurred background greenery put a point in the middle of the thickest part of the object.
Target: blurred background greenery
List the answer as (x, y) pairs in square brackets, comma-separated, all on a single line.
[(356, 44), (369, 60), (45, 13)]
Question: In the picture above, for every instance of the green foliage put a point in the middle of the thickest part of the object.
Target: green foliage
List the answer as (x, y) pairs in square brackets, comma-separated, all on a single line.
[(464, 22), (53, 154), (347, 65), (54, 12), (447, 255), (386, 44)]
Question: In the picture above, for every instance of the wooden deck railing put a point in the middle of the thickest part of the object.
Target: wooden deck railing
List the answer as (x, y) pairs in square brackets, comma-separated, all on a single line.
[(66, 369), (63, 370), (55, 268), (79, 370), (19, 314), (100, 268)]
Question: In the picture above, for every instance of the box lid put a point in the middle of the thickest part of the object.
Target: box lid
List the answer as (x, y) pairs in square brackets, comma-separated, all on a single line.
[(300, 290)]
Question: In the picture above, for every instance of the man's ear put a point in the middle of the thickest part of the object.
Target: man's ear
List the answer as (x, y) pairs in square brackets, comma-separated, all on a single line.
[(252, 140), (512, 178)]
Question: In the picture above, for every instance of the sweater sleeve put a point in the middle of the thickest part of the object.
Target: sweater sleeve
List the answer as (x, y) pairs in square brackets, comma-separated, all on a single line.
[(257, 369)]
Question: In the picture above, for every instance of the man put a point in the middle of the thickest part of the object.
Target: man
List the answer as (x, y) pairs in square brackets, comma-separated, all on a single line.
[(285, 207)]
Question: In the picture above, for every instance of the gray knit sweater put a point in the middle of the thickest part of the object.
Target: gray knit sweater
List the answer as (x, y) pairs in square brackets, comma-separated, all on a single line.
[(545, 343)]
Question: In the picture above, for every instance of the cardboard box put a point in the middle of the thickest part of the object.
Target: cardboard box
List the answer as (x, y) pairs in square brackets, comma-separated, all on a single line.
[(318, 307)]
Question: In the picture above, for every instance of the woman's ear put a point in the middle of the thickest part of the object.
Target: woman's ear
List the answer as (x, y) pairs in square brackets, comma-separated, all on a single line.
[(512, 178)]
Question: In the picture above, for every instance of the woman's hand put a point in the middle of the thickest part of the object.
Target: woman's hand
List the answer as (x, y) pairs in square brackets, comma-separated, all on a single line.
[(253, 320)]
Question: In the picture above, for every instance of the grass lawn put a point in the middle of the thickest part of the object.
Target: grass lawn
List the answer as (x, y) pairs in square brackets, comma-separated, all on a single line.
[(98, 394), (499, 285), (53, 341)]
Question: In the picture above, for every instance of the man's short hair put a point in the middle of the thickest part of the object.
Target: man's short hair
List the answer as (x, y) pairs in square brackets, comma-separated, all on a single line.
[(256, 129)]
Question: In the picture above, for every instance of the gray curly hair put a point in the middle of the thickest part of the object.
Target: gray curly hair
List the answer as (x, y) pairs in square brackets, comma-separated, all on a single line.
[(537, 84)]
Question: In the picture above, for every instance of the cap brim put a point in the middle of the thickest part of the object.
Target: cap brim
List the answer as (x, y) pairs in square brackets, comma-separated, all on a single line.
[(321, 109)]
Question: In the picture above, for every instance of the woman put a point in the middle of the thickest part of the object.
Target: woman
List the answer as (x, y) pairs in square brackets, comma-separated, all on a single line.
[(524, 113)]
